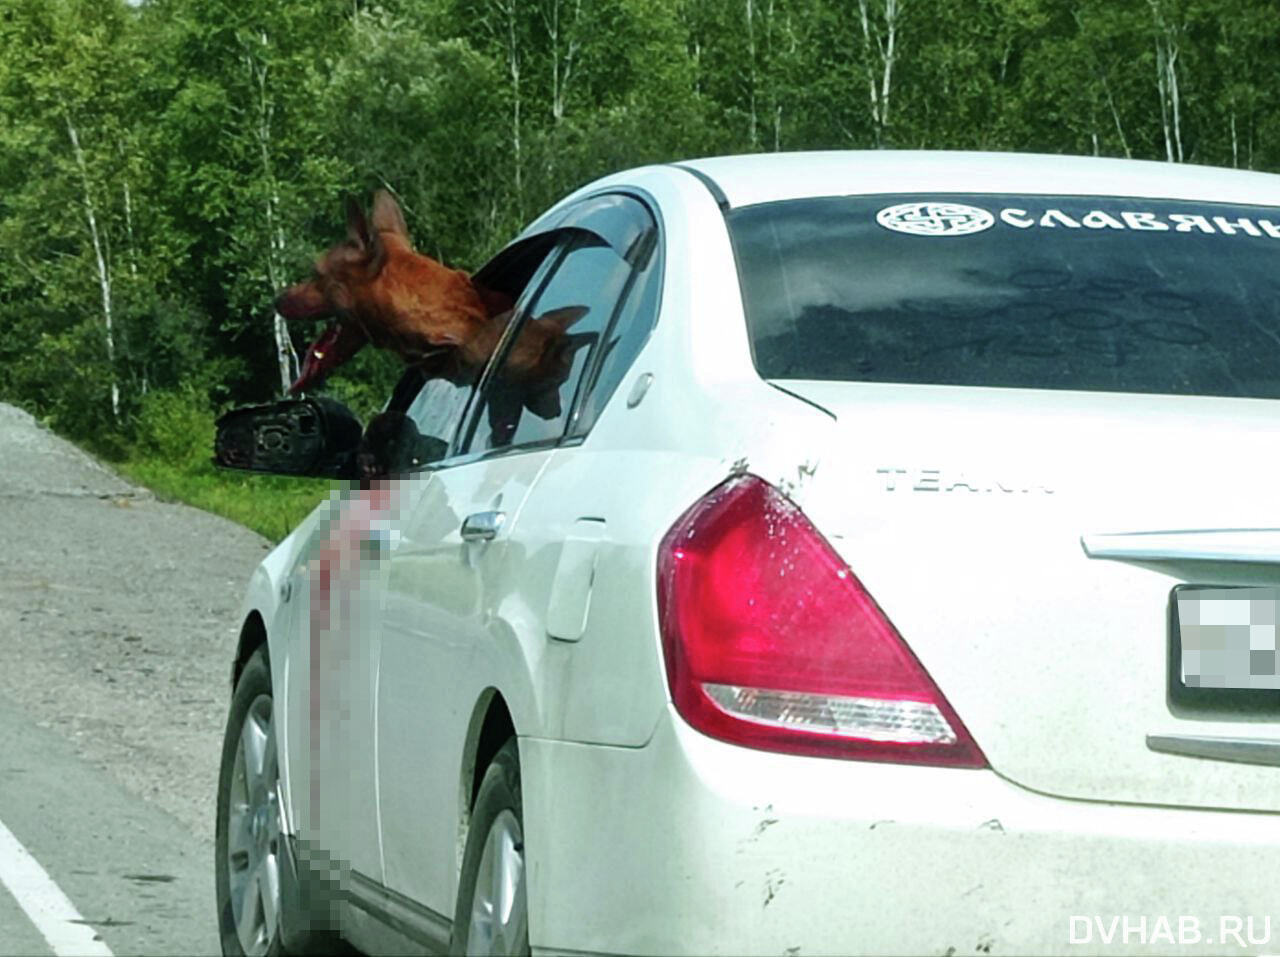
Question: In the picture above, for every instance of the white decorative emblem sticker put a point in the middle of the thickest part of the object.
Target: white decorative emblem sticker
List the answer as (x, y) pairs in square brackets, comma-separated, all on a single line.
[(935, 219)]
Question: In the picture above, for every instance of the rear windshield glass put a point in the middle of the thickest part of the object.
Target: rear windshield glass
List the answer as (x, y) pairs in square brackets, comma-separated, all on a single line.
[(1043, 292)]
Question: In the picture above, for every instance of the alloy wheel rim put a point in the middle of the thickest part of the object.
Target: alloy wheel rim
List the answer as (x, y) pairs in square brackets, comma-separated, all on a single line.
[(254, 832), (499, 914)]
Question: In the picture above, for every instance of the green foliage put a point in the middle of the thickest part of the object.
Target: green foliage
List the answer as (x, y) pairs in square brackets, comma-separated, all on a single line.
[(415, 112), (175, 426), (268, 504), (364, 388), (61, 379), (167, 166), (171, 455)]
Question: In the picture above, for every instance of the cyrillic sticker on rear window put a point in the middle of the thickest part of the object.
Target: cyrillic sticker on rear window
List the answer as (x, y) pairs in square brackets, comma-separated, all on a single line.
[(1140, 221), (935, 218)]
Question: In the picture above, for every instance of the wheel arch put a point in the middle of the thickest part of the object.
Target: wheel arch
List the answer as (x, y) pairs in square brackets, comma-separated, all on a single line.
[(253, 635), (490, 727)]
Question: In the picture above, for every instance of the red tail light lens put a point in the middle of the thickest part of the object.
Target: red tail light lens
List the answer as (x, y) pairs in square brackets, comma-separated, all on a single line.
[(772, 642)]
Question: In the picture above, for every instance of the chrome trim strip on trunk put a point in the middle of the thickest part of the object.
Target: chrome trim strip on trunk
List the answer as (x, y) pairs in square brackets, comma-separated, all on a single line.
[(1211, 544), (1242, 750)]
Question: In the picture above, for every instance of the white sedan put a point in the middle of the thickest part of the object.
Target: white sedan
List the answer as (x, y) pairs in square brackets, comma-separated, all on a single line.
[(898, 574)]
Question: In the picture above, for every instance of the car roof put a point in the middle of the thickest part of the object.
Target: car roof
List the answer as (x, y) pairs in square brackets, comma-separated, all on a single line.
[(767, 177)]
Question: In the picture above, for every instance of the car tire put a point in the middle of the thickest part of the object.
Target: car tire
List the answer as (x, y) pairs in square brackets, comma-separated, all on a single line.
[(257, 886), (491, 915)]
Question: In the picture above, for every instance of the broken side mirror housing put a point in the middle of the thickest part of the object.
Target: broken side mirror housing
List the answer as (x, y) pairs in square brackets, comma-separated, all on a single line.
[(316, 437)]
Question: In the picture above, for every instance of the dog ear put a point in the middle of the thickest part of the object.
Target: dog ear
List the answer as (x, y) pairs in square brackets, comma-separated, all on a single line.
[(567, 348), (563, 317), (387, 216), (357, 225), (576, 341), (377, 250)]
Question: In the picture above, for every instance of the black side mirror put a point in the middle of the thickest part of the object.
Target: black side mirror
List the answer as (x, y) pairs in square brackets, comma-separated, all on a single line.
[(392, 445), (316, 437)]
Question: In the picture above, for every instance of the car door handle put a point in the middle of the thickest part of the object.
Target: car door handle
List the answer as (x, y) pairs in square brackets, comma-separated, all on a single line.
[(482, 526)]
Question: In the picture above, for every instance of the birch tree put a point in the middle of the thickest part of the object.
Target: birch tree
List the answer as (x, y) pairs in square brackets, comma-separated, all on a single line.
[(753, 128), (503, 22), (771, 47), (1101, 70), (65, 94), (100, 255), (1243, 43), (561, 19), (256, 52), (1167, 34), (880, 20), (250, 162)]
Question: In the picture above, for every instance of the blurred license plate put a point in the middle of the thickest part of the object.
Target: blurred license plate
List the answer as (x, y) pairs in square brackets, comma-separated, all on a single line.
[(1225, 638)]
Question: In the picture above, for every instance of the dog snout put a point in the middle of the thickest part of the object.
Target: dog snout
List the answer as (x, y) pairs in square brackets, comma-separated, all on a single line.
[(303, 301)]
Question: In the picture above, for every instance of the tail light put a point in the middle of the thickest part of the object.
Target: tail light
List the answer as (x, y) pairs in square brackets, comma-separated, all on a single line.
[(772, 642)]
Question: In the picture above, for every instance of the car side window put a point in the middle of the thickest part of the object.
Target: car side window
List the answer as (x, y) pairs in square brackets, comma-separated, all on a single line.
[(437, 408), (430, 408), (530, 393), (623, 341)]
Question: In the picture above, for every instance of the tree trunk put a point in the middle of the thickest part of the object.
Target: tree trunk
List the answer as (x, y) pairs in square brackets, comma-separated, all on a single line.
[(1177, 103), (513, 66), (773, 59), (1162, 83), (553, 33), (753, 126), (561, 63), (887, 54), (1115, 115), (286, 356), (128, 213), (1166, 39), (104, 273), (871, 79), (1106, 88), (880, 57)]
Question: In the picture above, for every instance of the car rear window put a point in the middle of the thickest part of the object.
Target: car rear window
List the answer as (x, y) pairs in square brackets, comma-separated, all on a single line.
[(1043, 292)]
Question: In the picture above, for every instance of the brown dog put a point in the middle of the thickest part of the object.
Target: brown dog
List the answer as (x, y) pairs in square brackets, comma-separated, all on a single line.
[(375, 288)]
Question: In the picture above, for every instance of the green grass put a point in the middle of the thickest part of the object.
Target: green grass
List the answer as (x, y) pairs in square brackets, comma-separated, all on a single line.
[(270, 505), (170, 454)]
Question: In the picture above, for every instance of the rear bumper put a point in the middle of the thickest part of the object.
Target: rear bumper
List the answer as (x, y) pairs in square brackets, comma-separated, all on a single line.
[(689, 845)]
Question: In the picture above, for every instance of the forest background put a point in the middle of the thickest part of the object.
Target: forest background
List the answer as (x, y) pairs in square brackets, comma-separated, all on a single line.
[(166, 166)]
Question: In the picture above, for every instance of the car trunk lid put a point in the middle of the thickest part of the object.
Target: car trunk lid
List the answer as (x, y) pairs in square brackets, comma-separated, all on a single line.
[(1026, 545)]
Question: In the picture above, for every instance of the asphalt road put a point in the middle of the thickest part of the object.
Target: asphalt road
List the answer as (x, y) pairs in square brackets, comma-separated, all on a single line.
[(117, 625)]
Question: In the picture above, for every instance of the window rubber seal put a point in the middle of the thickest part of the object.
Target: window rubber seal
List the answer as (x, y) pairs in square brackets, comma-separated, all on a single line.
[(712, 186)]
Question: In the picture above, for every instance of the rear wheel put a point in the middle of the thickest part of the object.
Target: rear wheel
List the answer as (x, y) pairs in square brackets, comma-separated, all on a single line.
[(492, 915)]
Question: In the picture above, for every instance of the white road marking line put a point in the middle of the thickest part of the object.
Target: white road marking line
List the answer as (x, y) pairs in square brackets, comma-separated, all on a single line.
[(43, 901)]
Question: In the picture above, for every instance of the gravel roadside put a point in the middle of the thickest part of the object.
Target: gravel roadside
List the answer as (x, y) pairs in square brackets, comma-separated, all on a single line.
[(118, 618)]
